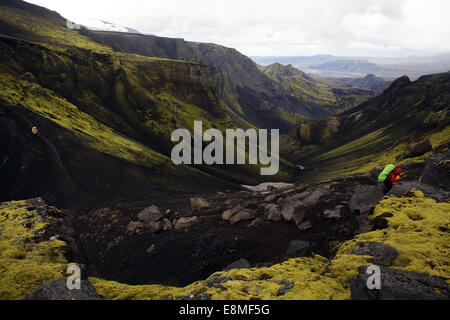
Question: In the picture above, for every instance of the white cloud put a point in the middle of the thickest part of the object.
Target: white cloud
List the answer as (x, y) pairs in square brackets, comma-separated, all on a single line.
[(283, 27)]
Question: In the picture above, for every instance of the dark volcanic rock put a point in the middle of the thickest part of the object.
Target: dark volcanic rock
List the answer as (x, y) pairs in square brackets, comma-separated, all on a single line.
[(184, 223), (216, 282), (437, 172), (380, 221), (382, 254), (314, 197), (240, 264), (287, 285), (273, 213), (297, 247), (289, 208), (399, 285), (150, 214), (57, 290), (199, 203), (135, 227), (243, 216), (365, 198), (416, 150)]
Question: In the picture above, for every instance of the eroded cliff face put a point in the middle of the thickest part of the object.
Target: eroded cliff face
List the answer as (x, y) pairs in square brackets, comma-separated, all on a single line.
[(95, 111), (250, 96)]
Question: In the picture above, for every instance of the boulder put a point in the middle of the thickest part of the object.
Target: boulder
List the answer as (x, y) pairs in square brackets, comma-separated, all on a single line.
[(163, 225), (185, 223), (273, 213), (289, 207), (150, 214), (364, 223), (314, 197), (297, 248), (380, 222), (243, 215), (333, 213), (382, 254), (135, 227), (365, 198), (399, 285), (199, 203), (437, 172), (416, 149), (240, 264), (403, 189), (299, 215), (58, 290), (231, 212)]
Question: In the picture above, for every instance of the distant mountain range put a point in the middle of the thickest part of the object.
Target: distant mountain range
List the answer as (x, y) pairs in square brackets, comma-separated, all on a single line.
[(387, 68)]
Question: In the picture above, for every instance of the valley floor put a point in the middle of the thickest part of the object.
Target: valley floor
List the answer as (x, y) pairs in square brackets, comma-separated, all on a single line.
[(299, 242)]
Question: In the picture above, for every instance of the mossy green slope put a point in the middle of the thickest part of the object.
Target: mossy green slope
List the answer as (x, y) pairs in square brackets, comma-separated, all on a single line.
[(251, 97), (314, 93), (114, 130), (25, 263), (123, 105), (416, 230)]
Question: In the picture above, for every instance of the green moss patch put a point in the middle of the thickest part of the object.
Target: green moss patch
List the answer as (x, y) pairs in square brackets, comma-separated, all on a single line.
[(25, 263)]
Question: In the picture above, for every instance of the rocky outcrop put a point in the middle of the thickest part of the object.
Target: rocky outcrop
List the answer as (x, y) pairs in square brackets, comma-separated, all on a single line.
[(437, 172), (185, 223), (150, 214), (231, 212), (135, 227), (58, 290), (399, 285), (416, 149), (243, 215), (365, 198), (382, 254), (199, 203), (163, 225), (273, 213), (314, 197), (291, 209), (240, 264)]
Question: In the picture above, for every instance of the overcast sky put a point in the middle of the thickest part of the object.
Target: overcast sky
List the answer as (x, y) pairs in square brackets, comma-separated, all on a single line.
[(282, 27)]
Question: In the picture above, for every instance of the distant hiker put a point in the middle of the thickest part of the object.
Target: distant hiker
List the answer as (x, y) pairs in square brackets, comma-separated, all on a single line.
[(34, 131), (390, 176)]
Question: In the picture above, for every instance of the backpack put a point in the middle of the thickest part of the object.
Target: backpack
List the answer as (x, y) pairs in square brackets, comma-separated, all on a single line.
[(385, 173)]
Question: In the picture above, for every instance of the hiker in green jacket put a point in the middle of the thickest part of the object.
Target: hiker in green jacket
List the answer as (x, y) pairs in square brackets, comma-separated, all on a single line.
[(390, 176)]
